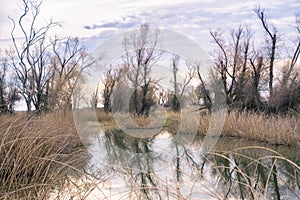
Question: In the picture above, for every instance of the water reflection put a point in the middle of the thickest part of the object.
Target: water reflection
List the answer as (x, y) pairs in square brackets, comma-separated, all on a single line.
[(161, 167)]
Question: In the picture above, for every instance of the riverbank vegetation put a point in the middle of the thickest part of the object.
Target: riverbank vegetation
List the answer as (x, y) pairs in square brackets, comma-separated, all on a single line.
[(276, 130), (38, 155)]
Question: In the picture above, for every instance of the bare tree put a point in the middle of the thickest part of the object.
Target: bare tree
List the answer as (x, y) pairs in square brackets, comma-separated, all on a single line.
[(244, 56), (180, 88), (203, 92), (222, 62), (95, 97), (29, 60), (175, 69), (9, 94), (3, 85), (139, 63), (272, 39), (233, 67), (112, 76), (286, 94), (288, 72), (69, 62), (253, 97), (40, 74)]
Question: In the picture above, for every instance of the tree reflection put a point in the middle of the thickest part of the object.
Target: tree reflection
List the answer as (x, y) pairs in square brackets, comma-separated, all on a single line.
[(231, 171), (136, 157), (254, 173)]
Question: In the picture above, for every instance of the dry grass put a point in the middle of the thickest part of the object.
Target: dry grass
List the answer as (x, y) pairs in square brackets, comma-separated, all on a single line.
[(271, 129), (277, 130), (37, 154)]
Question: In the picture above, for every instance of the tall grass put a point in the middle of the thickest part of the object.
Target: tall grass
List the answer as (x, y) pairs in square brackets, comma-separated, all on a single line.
[(278, 130), (271, 129), (37, 154)]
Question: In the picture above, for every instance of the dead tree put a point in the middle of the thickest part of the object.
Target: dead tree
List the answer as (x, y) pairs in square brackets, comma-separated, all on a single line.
[(253, 100), (112, 75), (95, 97), (204, 92), (175, 68), (271, 32), (69, 62), (140, 55), (3, 85), (222, 63), (287, 93), (9, 94), (287, 75), (180, 87), (30, 63), (232, 65)]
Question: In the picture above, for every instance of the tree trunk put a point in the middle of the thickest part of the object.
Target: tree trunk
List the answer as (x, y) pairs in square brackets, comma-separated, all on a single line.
[(272, 58)]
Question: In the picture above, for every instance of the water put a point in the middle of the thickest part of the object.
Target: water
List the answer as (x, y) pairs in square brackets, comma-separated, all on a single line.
[(163, 168)]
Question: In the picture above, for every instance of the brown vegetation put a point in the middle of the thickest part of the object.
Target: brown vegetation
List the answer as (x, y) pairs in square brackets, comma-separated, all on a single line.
[(37, 154), (260, 127), (279, 130)]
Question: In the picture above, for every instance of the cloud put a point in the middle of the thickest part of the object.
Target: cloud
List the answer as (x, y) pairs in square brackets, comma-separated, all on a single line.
[(192, 18), (108, 25), (124, 22)]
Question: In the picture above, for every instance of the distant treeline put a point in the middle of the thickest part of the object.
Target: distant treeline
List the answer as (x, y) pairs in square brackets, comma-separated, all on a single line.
[(46, 71)]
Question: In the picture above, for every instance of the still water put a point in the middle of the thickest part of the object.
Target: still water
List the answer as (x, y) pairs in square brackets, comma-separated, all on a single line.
[(162, 167)]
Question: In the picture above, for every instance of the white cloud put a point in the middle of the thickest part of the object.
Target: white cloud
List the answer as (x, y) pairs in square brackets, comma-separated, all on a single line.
[(92, 19)]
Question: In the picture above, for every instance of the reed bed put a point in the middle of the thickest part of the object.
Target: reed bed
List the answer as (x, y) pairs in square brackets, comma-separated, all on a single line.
[(37, 155), (277, 130)]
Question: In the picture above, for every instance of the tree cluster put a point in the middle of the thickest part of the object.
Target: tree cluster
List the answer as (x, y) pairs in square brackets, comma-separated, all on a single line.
[(247, 72), (44, 70)]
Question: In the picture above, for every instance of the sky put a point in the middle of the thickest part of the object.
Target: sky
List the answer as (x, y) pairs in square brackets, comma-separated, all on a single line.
[(95, 21)]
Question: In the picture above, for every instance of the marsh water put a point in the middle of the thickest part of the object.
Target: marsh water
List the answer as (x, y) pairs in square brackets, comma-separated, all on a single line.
[(162, 167)]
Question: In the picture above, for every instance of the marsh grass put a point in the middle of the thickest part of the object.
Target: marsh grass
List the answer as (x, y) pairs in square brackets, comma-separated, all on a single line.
[(278, 130), (252, 172), (37, 154)]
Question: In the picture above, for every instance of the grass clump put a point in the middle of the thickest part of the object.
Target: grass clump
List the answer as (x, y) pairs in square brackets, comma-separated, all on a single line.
[(37, 154), (278, 130)]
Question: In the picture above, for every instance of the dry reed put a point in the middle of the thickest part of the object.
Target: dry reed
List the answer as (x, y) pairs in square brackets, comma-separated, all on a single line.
[(37, 154)]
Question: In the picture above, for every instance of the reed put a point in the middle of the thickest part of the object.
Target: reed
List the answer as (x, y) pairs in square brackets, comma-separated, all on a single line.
[(43, 158), (37, 155), (277, 130)]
